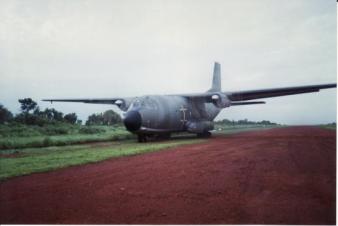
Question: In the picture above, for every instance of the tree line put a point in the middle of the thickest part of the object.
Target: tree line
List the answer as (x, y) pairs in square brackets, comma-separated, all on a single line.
[(30, 114), (228, 122)]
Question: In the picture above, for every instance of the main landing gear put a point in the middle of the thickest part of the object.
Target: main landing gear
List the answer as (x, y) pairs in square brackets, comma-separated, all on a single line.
[(146, 137), (141, 138), (205, 134)]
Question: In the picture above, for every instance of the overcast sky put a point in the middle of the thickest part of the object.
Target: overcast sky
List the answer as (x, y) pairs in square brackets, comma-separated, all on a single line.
[(97, 48)]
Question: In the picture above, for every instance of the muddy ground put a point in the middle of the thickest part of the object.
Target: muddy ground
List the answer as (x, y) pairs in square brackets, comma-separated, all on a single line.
[(277, 176)]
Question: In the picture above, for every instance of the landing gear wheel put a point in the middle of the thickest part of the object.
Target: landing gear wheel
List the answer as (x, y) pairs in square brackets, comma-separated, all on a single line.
[(141, 138), (164, 136), (204, 134)]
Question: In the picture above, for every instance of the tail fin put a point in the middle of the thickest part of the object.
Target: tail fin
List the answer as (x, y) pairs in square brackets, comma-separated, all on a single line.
[(216, 80)]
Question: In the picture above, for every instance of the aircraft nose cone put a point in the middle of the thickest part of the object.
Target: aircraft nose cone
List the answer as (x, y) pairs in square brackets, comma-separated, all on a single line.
[(132, 121)]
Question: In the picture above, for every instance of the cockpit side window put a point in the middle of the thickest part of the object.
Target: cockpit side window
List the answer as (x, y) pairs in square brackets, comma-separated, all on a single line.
[(147, 102)]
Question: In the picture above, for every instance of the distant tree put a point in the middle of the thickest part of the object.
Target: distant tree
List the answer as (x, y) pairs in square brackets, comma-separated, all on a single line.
[(244, 122), (29, 119), (70, 118), (48, 114), (56, 115), (107, 118), (29, 112), (32, 119), (5, 114), (36, 110), (95, 119), (27, 105), (265, 122), (110, 118), (226, 121), (32, 115)]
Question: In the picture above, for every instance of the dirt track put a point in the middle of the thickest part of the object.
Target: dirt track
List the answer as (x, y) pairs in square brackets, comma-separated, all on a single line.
[(279, 176)]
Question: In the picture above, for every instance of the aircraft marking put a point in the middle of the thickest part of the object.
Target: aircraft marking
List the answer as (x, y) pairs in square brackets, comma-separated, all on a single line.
[(183, 110)]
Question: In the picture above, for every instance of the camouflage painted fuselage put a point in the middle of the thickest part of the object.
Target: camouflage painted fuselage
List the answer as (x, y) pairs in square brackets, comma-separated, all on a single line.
[(165, 114)]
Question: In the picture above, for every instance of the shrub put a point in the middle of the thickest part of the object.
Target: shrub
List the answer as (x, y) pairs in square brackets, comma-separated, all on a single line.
[(46, 142), (56, 130), (91, 130)]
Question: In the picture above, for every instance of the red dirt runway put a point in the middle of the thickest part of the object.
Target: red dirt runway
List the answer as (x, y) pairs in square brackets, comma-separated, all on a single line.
[(278, 176)]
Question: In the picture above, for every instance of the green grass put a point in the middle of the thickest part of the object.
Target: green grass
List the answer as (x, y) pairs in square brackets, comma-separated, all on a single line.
[(15, 136), (329, 126), (46, 159), (243, 128), (22, 136)]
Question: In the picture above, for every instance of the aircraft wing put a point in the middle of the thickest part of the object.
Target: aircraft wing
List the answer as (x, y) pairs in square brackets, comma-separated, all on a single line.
[(236, 98), (266, 93), (88, 101), (122, 103)]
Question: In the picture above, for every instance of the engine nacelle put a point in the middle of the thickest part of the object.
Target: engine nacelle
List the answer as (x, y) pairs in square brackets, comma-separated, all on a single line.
[(123, 104), (220, 100), (200, 127)]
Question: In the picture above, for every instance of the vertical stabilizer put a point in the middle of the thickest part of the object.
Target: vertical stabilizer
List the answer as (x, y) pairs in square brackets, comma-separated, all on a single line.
[(216, 79)]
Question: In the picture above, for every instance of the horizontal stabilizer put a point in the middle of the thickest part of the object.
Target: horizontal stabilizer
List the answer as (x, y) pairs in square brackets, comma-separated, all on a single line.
[(247, 103)]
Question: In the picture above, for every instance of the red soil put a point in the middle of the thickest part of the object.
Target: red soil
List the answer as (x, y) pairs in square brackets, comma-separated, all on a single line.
[(278, 176)]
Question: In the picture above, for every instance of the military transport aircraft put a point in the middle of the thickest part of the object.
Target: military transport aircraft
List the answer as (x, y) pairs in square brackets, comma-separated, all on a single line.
[(160, 115)]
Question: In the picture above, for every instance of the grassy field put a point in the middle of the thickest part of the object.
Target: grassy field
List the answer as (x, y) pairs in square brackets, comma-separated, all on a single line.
[(22, 162), (23, 136)]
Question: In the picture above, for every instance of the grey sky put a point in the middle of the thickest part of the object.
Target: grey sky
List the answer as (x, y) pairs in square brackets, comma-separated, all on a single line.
[(73, 49)]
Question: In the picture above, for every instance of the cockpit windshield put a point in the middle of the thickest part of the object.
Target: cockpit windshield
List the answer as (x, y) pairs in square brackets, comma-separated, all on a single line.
[(143, 103), (135, 104)]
